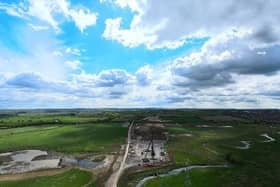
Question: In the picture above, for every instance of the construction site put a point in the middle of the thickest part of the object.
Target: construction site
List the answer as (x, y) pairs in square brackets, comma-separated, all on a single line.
[(147, 147)]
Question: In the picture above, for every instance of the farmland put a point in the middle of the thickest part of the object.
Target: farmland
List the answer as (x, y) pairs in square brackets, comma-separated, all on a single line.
[(72, 178), (200, 140), (192, 137), (71, 138)]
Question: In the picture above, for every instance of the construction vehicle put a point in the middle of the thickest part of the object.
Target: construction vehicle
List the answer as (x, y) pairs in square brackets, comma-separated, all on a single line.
[(150, 149)]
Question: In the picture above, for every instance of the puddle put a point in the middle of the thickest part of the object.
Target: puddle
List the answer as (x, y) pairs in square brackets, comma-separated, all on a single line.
[(88, 164), (246, 145), (226, 126), (203, 126), (22, 161), (27, 156), (186, 135), (269, 139), (30, 160)]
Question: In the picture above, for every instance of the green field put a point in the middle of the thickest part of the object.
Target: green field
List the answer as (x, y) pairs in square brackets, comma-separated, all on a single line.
[(196, 177), (210, 145), (71, 132), (70, 138), (72, 178), (257, 166), (191, 144), (188, 143), (37, 119), (180, 180), (23, 118)]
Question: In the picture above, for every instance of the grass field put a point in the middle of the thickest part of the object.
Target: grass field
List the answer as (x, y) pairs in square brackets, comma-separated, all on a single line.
[(22, 118), (72, 178), (196, 137), (70, 138), (257, 166), (42, 119), (214, 143), (196, 177)]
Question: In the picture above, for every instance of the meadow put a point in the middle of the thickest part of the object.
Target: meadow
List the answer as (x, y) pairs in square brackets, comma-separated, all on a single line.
[(23, 118), (72, 178), (207, 137), (194, 137), (96, 138)]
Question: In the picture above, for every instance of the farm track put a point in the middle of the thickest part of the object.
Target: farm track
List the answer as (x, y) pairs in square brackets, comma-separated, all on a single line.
[(114, 178)]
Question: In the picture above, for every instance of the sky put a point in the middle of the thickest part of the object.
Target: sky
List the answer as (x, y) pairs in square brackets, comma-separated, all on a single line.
[(139, 53)]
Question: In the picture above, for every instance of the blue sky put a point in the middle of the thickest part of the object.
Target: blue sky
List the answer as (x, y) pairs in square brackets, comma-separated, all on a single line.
[(121, 53), (97, 53)]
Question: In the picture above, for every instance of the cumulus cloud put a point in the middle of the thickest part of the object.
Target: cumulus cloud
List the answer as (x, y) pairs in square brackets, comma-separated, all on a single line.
[(222, 57), (14, 9), (237, 67), (36, 84), (116, 94), (144, 75), (38, 27), (73, 51), (39, 56), (111, 78), (126, 37), (49, 11), (103, 86), (134, 5), (74, 65), (83, 18), (27, 80), (170, 23)]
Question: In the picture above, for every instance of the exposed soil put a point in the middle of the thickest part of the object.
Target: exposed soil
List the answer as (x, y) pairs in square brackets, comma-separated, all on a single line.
[(4, 159)]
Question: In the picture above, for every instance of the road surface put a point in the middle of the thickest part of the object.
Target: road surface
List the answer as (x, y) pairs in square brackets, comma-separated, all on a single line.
[(114, 178)]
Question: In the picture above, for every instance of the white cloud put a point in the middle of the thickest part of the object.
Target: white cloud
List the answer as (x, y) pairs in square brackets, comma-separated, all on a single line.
[(41, 55), (125, 36), (83, 18), (14, 10), (38, 27), (169, 23), (57, 53), (134, 5), (144, 75), (237, 67), (73, 51), (44, 10), (113, 77), (221, 58), (75, 64), (52, 12)]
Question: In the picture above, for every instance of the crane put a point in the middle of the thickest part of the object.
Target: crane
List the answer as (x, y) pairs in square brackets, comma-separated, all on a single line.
[(151, 145)]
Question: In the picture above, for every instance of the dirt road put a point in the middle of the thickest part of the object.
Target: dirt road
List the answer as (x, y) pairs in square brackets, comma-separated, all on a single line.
[(114, 178)]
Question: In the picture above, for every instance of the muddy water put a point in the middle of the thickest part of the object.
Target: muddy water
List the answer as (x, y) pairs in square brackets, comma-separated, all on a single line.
[(22, 161), (30, 160), (88, 164), (177, 171), (83, 163)]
